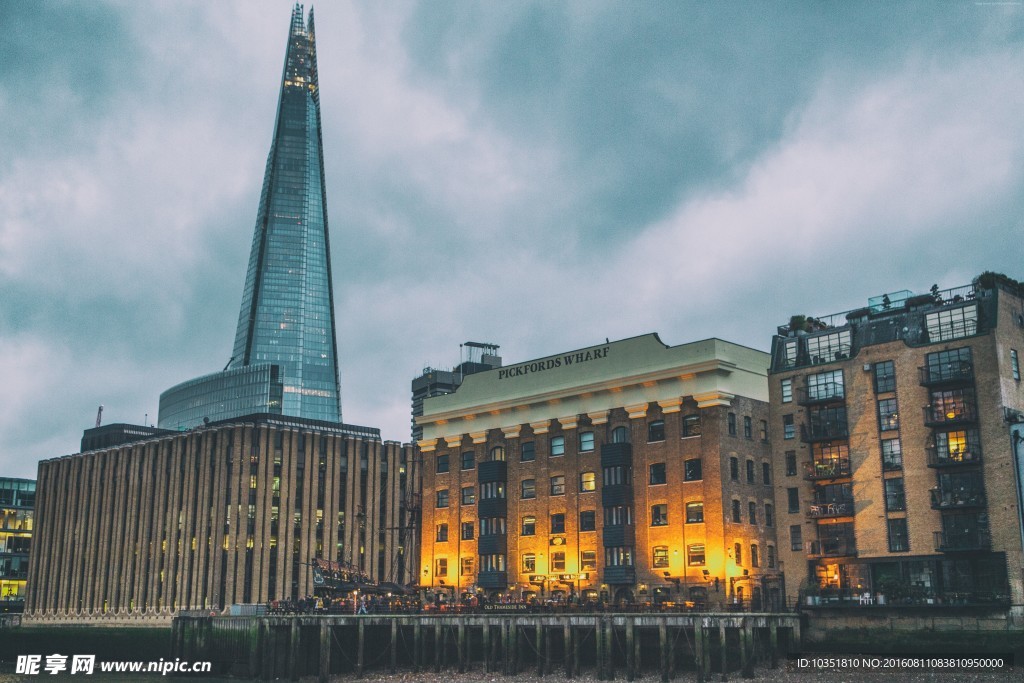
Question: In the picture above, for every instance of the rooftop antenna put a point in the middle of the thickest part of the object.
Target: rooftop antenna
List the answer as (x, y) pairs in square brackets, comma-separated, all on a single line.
[(99, 415)]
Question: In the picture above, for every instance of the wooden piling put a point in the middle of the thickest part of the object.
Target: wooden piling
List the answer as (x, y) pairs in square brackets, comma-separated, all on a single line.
[(393, 650), (506, 647), (437, 646), (599, 647), (663, 649), (698, 651), (487, 648), (360, 647), (417, 645), (269, 647), (773, 634), (630, 653), (567, 647), (324, 670), (747, 645), (538, 648), (609, 652), (723, 643), (293, 650), (461, 646)]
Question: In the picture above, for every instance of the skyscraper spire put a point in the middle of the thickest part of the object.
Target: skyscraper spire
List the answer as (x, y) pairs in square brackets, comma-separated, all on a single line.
[(287, 312), (285, 357)]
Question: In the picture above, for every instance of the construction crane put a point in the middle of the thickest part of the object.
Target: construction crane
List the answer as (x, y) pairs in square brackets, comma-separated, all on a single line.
[(99, 415)]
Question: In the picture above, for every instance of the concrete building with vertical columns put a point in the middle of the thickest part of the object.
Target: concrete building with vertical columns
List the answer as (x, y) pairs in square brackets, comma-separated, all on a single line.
[(630, 471), (897, 477), (232, 512)]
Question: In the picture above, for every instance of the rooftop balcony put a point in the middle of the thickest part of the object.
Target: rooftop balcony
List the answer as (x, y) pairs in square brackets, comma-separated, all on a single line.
[(956, 498), (827, 469), (947, 374), (842, 507), (951, 414), (970, 540), (827, 392), (947, 458), (824, 431)]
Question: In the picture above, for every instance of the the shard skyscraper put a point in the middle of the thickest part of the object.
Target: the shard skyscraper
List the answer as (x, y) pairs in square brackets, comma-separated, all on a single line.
[(285, 358)]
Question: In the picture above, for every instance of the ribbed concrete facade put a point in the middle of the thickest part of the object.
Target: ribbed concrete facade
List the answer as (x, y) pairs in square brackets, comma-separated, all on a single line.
[(231, 513)]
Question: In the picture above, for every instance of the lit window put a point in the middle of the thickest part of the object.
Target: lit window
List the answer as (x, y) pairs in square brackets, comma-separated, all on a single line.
[(659, 515), (588, 482), (498, 453), (695, 512), (588, 559), (441, 567), (467, 566), (558, 561), (529, 563), (558, 485), (695, 555), (529, 526), (660, 556), (737, 551)]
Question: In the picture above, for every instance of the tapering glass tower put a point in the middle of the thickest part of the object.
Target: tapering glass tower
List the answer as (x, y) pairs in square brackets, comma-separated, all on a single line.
[(287, 314), (285, 357)]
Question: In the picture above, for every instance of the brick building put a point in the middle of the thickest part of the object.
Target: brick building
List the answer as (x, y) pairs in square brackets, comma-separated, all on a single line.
[(896, 477), (627, 471)]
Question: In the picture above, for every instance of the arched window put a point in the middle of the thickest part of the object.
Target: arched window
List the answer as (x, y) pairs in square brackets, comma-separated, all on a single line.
[(620, 435), (498, 453)]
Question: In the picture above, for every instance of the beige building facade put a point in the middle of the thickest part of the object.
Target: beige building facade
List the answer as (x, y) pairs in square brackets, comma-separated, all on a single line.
[(897, 480), (630, 471), (229, 513)]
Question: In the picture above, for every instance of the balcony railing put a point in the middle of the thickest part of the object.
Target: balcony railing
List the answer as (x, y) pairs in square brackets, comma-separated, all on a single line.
[(953, 499), (937, 458), (827, 469), (947, 415), (837, 508), (620, 575), (844, 547), (967, 541), (820, 393), (824, 431), (958, 372)]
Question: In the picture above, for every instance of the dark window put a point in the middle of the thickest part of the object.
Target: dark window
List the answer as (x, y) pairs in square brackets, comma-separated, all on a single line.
[(771, 556), (899, 541), (558, 523), (748, 427), (737, 552), (732, 424), (755, 561), (492, 489), (468, 495), (586, 441), (796, 538), (442, 463), (888, 415), (467, 565), (692, 470), (529, 526), (885, 377), (620, 435), (615, 475), (527, 452), (766, 473), (659, 515), (790, 463), (557, 445), (752, 513), (442, 533), (657, 473), (442, 498), (588, 560), (691, 425), (558, 561), (736, 518), (734, 469), (588, 520), (558, 485), (468, 460), (656, 430), (769, 515), (788, 427), (441, 567), (1014, 364), (750, 472), (892, 454), (894, 500), (793, 499), (695, 512), (529, 489), (467, 531)]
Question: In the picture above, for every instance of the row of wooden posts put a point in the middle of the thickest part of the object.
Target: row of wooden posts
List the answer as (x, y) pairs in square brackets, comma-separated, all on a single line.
[(285, 646)]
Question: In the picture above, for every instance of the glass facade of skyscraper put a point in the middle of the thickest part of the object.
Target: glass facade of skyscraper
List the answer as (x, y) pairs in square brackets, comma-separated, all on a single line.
[(285, 358), (17, 500), (286, 316)]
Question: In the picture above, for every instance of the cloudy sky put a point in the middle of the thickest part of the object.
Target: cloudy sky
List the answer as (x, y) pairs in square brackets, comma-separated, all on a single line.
[(540, 175)]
